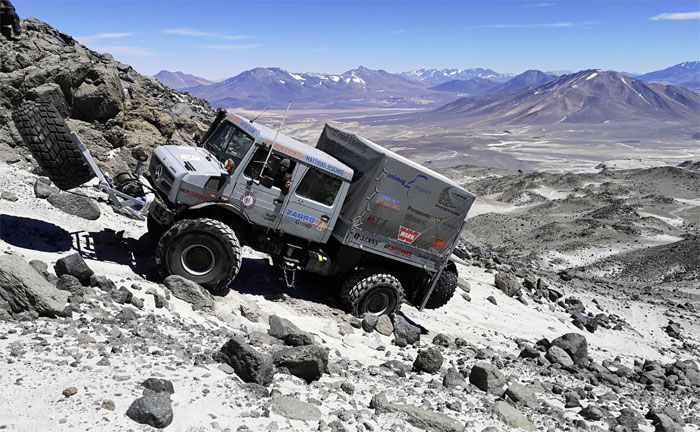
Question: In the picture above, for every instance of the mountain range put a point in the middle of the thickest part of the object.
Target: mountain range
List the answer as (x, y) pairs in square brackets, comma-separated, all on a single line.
[(471, 92), (588, 96), (180, 80)]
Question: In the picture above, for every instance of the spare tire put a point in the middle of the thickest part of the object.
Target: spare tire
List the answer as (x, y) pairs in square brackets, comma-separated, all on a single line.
[(48, 139)]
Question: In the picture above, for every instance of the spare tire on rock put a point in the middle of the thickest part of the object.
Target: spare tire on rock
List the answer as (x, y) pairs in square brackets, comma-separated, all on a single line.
[(48, 139)]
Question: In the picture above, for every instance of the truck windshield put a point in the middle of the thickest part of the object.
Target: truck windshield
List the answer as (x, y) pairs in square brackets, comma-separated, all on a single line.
[(229, 142)]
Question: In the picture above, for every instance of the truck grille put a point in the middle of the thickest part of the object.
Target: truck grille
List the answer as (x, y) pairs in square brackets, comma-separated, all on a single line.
[(161, 176)]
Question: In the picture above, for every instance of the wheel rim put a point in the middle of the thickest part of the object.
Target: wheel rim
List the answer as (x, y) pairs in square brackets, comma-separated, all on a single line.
[(379, 300), (197, 259)]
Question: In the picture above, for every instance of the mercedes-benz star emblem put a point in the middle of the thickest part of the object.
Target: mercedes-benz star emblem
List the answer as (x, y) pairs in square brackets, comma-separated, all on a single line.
[(158, 172)]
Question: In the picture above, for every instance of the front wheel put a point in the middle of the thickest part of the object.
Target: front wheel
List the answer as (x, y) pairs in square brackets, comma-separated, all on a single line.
[(372, 291), (444, 289), (205, 251)]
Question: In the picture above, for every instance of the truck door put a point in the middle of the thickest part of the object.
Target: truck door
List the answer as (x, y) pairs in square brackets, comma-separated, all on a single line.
[(261, 204), (313, 205)]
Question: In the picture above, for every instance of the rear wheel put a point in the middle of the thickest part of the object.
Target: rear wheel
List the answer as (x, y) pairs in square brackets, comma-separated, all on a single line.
[(48, 139), (205, 251), (372, 291)]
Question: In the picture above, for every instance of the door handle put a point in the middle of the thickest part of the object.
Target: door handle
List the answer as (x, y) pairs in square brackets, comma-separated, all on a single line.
[(277, 201), (325, 218)]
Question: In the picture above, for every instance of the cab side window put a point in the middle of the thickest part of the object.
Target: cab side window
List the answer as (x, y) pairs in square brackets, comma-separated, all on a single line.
[(319, 186)]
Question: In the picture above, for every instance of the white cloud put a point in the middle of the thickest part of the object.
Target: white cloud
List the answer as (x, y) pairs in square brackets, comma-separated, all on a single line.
[(231, 47), (189, 32), (104, 36), (127, 51), (677, 16)]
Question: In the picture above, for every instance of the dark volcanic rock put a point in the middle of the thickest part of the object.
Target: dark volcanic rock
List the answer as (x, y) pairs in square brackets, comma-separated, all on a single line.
[(369, 322), (488, 378), (508, 283), (159, 385), (285, 330), (453, 378), (405, 330), (575, 345), (77, 205), (189, 291), (249, 364), (154, 410), (307, 362), (23, 289), (428, 360), (418, 417), (74, 265), (71, 284)]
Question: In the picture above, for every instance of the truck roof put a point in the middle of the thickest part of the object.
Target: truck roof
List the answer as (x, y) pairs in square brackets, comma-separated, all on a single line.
[(295, 149)]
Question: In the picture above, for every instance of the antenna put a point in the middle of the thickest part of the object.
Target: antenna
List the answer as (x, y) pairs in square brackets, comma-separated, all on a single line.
[(263, 112), (274, 141)]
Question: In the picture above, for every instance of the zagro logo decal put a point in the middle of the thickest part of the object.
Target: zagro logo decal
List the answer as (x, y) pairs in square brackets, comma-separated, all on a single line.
[(300, 216), (388, 202), (411, 184), (407, 235)]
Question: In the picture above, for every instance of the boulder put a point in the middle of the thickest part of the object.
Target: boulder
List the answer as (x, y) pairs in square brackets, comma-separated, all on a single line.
[(384, 325), (190, 292), (102, 283), (76, 205), (418, 417), (50, 93), (575, 345), (592, 412), (511, 416), (121, 295), (154, 410), (159, 385), (23, 289), (8, 196), (428, 360), (405, 330), (70, 284), (559, 356), (522, 395), (74, 265), (285, 330), (508, 283), (488, 378), (307, 362), (369, 322), (101, 99), (453, 378), (249, 364), (294, 409)]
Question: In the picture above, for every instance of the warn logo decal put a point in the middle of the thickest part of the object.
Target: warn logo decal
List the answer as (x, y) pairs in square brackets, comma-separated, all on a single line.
[(407, 235)]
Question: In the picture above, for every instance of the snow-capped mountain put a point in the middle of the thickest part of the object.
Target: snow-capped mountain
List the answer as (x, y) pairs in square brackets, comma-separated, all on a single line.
[(588, 96), (433, 77), (357, 87), (686, 74), (180, 80)]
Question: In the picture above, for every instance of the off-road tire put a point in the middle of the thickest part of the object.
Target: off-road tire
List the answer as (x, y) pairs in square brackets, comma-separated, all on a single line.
[(48, 139), (444, 289), (155, 229), (210, 234), (357, 291)]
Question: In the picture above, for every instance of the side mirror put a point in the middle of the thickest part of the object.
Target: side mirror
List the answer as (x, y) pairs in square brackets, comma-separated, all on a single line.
[(267, 181)]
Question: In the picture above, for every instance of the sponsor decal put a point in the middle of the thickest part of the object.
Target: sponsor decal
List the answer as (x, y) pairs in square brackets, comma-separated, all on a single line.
[(364, 238), (446, 204), (438, 243), (300, 216), (194, 194), (328, 167), (388, 202), (343, 137), (410, 184), (248, 200), (398, 250), (321, 225), (407, 235)]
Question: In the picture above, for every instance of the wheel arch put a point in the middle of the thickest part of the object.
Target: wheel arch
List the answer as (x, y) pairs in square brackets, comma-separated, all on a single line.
[(226, 213)]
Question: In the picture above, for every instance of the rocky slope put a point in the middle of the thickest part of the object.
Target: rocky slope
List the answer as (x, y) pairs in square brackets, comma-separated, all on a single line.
[(108, 103)]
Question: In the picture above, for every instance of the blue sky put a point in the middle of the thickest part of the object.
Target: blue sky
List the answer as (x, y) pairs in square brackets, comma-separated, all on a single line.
[(218, 39)]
